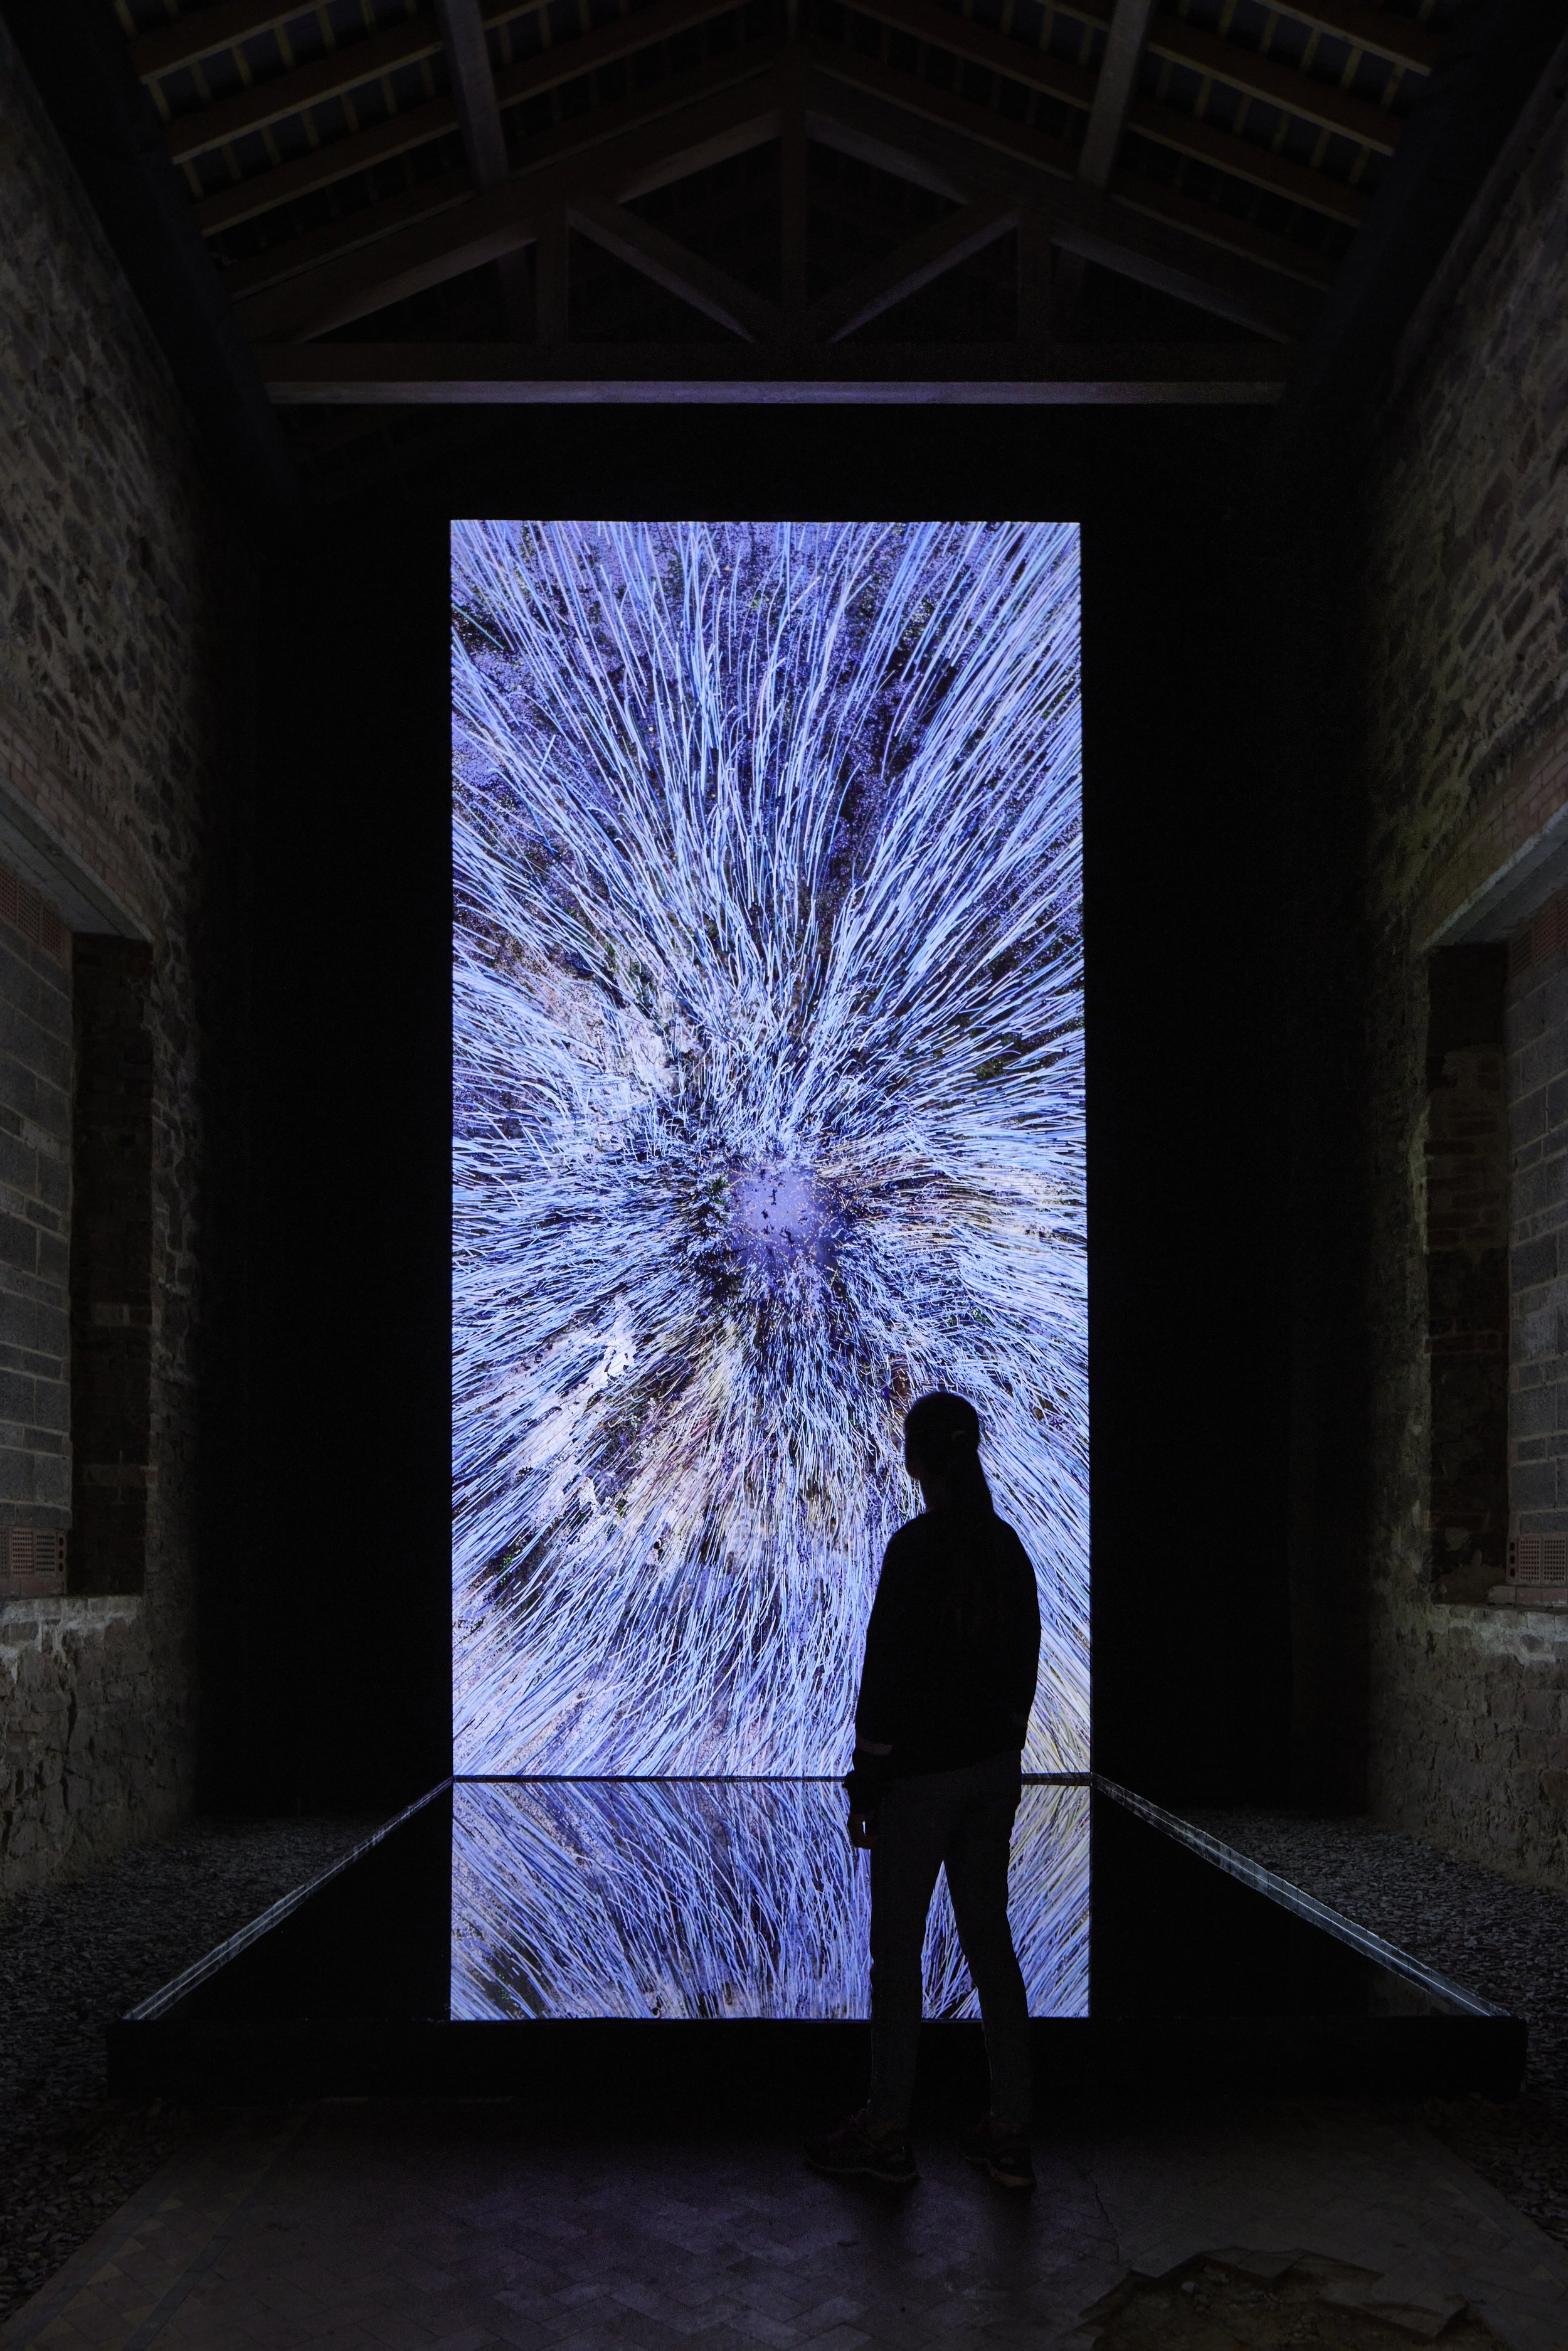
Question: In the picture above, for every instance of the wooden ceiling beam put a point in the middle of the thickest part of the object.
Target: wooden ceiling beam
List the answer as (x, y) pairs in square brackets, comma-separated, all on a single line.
[(941, 28), (1299, 93), (677, 269), (647, 154), (912, 265), (1243, 158), (531, 78), (295, 256), (265, 102), (1293, 92), (361, 374), (484, 141), (977, 153), (1103, 137), (361, 151), (1114, 91), (1166, 126), (1377, 30), (203, 32)]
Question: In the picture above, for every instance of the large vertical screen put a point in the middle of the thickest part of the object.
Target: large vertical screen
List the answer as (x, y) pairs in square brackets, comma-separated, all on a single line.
[(768, 1030)]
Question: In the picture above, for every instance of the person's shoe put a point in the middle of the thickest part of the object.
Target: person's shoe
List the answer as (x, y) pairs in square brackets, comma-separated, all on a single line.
[(1004, 2152), (857, 2146)]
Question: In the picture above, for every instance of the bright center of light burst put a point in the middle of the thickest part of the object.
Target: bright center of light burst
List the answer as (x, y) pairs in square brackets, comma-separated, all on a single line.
[(781, 1217)]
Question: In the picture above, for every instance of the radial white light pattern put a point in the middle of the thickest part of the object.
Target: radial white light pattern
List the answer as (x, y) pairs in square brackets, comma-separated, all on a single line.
[(769, 1115)]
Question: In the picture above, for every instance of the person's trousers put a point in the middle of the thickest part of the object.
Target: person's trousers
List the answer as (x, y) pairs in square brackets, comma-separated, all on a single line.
[(960, 1821)]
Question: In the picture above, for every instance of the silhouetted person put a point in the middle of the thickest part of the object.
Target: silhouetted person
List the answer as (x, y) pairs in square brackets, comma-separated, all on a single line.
[(952, 1652)]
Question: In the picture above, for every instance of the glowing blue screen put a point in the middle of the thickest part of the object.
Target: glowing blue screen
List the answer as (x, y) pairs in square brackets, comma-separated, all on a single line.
[(769, 1116)]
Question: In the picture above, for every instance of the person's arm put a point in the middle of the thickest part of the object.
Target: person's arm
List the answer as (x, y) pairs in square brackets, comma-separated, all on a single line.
[(875, 1710), (1023, 1645)]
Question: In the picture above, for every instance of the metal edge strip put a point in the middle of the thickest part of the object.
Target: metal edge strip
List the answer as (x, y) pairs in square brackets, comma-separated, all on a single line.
[(1292, 1897), (158, 2002)]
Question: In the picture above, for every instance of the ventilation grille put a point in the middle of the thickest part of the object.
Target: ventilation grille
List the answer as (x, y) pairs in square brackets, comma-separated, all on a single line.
[(1544, 936), (1538, 1558), (32, 1561)]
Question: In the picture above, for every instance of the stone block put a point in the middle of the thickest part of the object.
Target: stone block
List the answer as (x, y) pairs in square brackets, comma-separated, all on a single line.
[(1533, 1264)]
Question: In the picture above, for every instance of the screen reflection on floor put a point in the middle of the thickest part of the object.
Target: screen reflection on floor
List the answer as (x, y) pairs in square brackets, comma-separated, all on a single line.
[(680, 1898)]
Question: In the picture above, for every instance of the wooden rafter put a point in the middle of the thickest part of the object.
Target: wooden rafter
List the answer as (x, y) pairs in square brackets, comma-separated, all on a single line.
[(677, 269), (484, 141), (1243, 158), (323, 167), (294, 256), (270, 102), (646, 155), (861, 118), (1303, 94), (1375, 30), (960, 37), (1114, 91), (990, 152), (203, 32), (911, 265), (1103, 137), (533, 77), (1166, 126), (358, 374)]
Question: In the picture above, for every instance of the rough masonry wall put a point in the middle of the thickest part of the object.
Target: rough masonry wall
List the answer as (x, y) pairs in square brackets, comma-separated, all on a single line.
[(1460, 619), (126, 614), (35, 1212)]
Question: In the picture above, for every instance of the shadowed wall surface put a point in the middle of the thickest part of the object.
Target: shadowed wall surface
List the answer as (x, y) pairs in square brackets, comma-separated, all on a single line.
[(126, 604), (1433, 596)]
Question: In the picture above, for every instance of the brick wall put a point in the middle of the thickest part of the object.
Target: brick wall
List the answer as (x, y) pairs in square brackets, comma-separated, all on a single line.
[(1442, 615), (1467, 1179), (127, 620), (1537, 1272), (35, 1212)]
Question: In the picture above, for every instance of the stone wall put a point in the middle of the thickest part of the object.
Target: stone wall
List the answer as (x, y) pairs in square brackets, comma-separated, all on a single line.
[(86, 1764), (1444, 605), (127, 616)]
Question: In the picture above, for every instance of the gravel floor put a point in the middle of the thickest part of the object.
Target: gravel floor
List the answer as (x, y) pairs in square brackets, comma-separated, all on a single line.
[(1507, 1941), (74, 1957)]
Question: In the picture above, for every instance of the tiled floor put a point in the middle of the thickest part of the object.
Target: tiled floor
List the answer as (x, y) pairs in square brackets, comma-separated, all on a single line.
[(459, 2227)]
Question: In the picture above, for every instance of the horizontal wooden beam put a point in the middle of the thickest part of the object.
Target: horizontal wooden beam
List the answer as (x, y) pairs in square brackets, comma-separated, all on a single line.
[(912, 265), (677, 269), (707, 128), (433, 374), (978, 153)]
